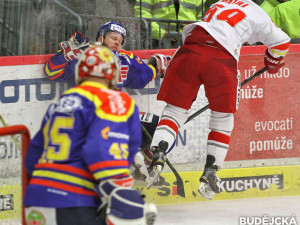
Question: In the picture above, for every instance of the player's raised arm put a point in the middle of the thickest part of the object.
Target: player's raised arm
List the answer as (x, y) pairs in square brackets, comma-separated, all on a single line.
[(61, 66)]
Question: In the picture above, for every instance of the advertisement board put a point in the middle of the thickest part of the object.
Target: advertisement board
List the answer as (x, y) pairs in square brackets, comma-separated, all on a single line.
[(239, 183), (266, 123)]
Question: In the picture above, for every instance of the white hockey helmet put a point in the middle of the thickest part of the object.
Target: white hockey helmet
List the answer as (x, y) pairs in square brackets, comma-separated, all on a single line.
[(98, 61)]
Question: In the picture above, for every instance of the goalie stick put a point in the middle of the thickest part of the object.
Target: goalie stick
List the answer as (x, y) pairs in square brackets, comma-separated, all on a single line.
[(179, 181), (178, 178)]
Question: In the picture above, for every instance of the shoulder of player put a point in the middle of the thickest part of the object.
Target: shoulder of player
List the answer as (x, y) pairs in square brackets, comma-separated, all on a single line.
[(109, 104), (115, 106), (123, 52), (118, 93), (90, 88)]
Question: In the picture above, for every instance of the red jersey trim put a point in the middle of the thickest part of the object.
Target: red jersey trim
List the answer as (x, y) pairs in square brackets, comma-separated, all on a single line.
[(61, 186), (66, 168), (107, 164)]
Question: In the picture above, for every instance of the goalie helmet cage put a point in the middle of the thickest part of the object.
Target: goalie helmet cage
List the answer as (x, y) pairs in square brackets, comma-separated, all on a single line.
[(14, 141)]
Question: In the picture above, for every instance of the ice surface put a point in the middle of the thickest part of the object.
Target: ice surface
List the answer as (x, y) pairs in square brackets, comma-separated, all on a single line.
[(228, 212)]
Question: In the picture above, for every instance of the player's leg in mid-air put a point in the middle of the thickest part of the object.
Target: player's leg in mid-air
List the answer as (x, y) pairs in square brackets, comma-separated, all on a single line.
[(143, 159), (222, 84), (221, 125), (179, 89)]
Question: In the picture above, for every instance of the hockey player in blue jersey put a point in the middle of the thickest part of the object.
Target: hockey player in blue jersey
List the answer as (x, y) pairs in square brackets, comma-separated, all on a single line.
[(134, 73), (79, 160)]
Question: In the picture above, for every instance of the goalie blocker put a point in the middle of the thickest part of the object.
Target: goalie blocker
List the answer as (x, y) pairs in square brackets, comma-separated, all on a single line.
[(123, 205)]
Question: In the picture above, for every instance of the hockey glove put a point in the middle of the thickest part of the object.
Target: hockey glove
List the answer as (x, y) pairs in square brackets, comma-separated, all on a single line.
[(160, 63), (125, 206), (273, 64), (79, 39), (74, 46)]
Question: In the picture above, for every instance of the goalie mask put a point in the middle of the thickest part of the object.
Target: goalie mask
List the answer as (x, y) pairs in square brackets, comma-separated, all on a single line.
[(98, 61), (111, 27)]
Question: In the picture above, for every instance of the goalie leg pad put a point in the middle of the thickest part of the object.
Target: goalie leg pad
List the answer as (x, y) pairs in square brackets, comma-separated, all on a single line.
[(126, 207), (107, 186)]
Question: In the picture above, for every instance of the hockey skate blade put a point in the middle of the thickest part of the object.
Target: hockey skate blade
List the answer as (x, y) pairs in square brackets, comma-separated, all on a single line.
[(157, 171), (205, 191)]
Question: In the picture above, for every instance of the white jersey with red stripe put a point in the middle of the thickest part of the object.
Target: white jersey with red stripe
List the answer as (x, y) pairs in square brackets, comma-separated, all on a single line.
[(234, 22)]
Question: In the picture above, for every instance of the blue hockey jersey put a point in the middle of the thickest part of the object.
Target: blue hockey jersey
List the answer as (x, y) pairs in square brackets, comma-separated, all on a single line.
[(134, 73), (89, 135)]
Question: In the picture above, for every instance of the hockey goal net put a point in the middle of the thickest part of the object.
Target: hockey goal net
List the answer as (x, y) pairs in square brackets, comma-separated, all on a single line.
[(13, 147)]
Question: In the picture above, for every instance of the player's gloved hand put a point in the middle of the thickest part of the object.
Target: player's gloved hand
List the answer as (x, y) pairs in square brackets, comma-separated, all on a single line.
[(74, 46), (79, 38), (160, 63), (273, 64), (69, 52)]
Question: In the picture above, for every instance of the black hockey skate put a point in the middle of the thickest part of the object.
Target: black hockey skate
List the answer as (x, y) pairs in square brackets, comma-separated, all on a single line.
[(209, 182), (158, 161)]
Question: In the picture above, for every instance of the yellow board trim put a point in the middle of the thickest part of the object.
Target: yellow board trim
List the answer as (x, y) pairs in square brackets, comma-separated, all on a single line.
[(14, 193), (167, 195)]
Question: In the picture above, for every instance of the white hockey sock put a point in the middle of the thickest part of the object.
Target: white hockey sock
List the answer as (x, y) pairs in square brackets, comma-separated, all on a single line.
[(166, 130), (172, 119), (217, 146)]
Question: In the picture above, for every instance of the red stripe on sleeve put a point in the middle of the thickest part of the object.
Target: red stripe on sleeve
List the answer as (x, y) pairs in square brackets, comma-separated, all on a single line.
[(55, 67), (284, 46)]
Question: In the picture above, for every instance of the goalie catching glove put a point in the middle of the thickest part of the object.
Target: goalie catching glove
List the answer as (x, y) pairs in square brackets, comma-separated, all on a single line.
[(74, 46), (160, 63), (124, 205), (273, 64)]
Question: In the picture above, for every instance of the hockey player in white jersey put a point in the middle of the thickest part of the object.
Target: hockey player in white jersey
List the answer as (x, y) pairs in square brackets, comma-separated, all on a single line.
[(209, 56)]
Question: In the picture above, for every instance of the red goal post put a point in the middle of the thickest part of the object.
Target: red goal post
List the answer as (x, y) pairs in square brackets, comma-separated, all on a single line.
[(10, 132)]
